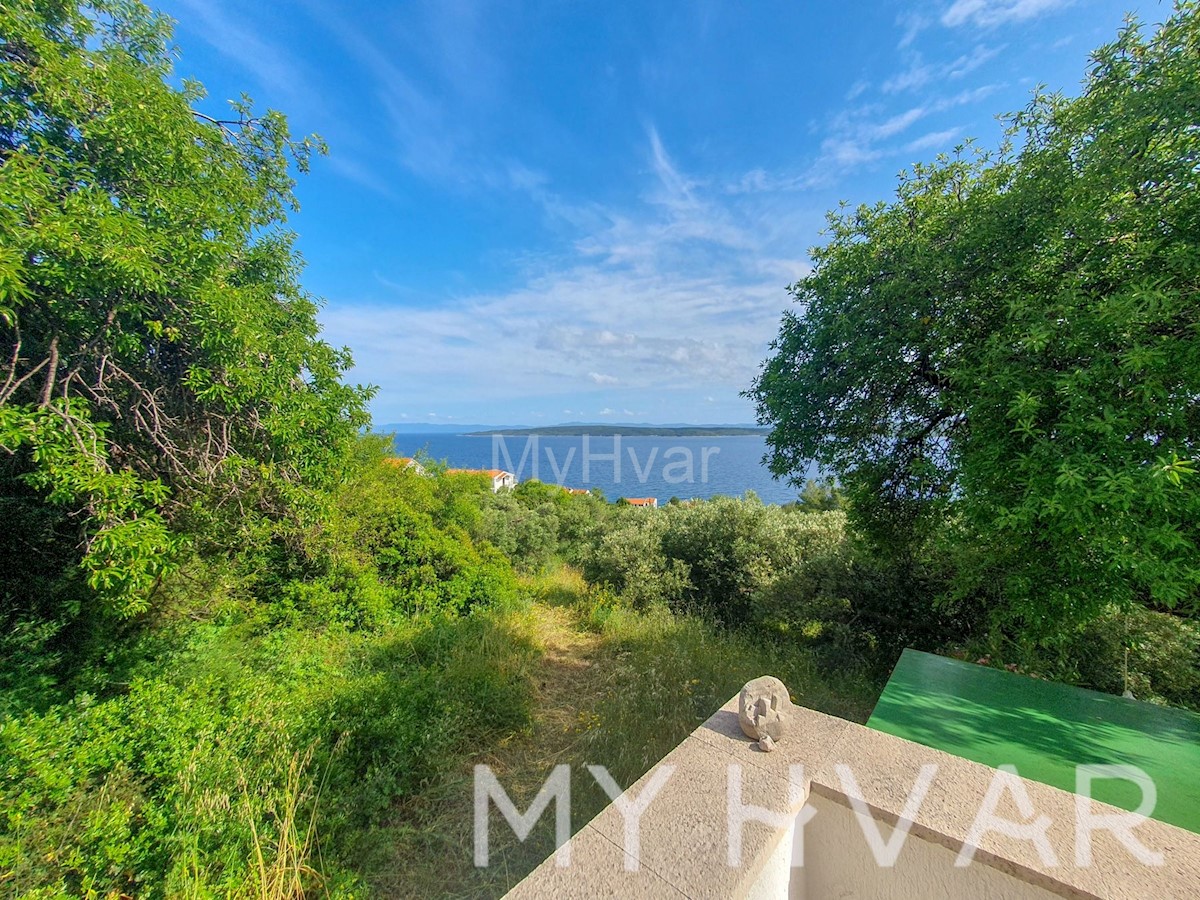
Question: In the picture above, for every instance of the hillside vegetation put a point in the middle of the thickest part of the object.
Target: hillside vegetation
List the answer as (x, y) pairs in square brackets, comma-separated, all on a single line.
[(279, 726), (242, 655)]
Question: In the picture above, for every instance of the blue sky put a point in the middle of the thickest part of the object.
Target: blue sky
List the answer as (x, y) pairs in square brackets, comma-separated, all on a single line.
[(537, 211)]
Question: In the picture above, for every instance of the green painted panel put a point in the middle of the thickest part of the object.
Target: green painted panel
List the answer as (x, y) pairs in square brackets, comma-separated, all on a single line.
[(1045, 729)]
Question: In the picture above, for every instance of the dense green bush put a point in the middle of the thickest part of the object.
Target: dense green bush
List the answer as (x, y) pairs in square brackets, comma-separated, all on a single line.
[(528, 536), (538, 524), (716, 558), (627, 556), (818, 496), (395, 542), (1153, 654), (811, 601), (719, 558), (803, 577), (173, 785), (729, 547), (280, 701)]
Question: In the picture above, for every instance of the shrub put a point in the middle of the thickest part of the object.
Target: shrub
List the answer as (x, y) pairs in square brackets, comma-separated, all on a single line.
[(628, 558), (538, 524), (526, 534), (1155, 655), (238, 761), (726, 551)]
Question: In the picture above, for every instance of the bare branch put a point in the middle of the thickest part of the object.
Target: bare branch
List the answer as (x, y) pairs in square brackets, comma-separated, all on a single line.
[(13, 384), (224, 124), (51, 372)]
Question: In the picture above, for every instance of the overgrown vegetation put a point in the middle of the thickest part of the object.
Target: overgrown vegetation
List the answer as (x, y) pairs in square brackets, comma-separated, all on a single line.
[(288, 726), (271, 714), (243, 653), (1001, 366)]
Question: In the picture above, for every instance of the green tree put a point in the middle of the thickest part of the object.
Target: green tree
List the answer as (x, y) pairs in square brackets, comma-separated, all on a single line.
[(1011, 348), (820, 496), (160, 365)]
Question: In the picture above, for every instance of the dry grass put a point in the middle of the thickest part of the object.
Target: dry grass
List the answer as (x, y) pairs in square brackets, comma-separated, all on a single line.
[(433, 855), (281, 864), (612, 687)]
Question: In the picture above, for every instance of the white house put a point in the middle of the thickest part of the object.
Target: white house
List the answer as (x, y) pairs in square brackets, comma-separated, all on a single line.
[(500, 480)]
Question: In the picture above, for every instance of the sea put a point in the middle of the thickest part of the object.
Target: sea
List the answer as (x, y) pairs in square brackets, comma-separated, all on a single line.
[(619, 465)]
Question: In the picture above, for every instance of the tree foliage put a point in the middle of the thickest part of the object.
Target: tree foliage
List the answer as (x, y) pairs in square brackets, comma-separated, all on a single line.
[(160, 364), (1012, 347)]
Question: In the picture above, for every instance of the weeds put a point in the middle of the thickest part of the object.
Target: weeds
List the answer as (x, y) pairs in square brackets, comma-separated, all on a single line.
[(281, 867), (612, 686)]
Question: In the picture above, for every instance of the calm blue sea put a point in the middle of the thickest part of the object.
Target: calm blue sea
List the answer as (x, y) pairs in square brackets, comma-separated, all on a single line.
[(661, 467)]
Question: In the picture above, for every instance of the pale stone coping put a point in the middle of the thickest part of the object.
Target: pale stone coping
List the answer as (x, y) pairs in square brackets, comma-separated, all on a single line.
[(683, 840), (887, 768)]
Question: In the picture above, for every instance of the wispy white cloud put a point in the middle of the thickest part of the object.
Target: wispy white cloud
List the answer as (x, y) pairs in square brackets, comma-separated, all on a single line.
[(680, 291), (935, 140), (858, 137), (984, 14), (269, 64), (853, 140), (676, 217), (969, 62), (858, 89), (919, 73), (423, 132), (911, 24), (893, 125), (436, 98), (990, 13), (966, 97)]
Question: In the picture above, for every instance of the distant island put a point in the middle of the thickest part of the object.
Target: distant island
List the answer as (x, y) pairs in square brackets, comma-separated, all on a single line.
[(626, 431)]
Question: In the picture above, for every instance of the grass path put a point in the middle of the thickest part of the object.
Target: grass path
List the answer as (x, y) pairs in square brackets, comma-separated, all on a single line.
[(567, 673), (596, 671), (438, 860), (569, 680)]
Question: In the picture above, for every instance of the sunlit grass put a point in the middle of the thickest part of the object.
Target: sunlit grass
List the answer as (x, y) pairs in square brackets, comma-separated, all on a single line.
[(614, 687)]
